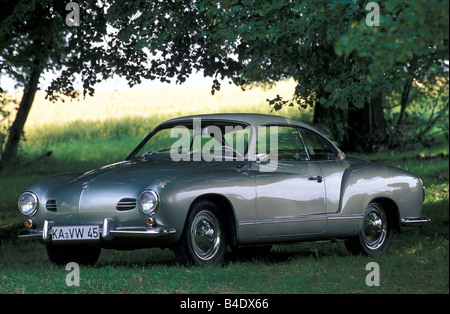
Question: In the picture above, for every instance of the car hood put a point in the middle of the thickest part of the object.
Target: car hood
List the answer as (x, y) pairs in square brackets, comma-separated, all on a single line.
[(132, 175), (126, 172), (77, 194), (148, 170)]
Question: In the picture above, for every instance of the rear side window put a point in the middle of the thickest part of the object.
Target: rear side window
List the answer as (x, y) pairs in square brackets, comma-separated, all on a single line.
[(316, 147)]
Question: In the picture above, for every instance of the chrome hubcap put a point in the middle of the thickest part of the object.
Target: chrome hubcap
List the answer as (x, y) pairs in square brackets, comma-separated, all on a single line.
[(375, 228), (205, 235)]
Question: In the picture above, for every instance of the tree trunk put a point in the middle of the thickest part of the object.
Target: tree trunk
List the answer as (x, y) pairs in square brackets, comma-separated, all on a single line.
[(16, 129), (404, 100), (366, 127)]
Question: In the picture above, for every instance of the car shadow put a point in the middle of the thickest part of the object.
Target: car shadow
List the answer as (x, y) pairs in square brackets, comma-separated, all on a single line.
[(140, 257), (278, 254), (289, 252)]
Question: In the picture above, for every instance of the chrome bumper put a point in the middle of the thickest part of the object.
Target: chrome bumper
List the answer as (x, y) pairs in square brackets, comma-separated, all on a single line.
[(108, 231), (413, 221)]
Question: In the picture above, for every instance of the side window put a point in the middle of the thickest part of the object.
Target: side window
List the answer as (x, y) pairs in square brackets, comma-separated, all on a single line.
[(237, 138), (316, 147), (284, 141), (206, 144)]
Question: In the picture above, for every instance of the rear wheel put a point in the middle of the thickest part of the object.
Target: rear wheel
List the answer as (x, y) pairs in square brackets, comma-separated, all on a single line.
[(81, 254), (376, 234), (203, 241)]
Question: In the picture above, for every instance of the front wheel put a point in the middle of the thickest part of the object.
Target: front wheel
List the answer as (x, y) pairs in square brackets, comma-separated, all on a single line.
[(203, 242), (376, 234)]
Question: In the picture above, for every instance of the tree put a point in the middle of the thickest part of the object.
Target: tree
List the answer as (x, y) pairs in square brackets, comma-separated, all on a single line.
[(317, 43), (31, 41), (411, 45), (256, 41), (34, 38), (413, 32), (243, 41)]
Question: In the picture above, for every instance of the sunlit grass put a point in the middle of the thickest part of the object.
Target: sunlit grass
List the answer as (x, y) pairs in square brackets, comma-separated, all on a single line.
[(118, 120), (157, 104)]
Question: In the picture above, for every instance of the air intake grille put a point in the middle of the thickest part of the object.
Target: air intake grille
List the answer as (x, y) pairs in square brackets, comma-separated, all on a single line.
[(126, 204), (51, 205)]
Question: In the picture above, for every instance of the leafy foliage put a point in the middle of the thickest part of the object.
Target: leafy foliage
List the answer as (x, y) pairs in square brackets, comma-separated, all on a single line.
[(424, 121), (241, 41), (315, 42), (336, 59), (31, 37), (409, 30), (7, 107)]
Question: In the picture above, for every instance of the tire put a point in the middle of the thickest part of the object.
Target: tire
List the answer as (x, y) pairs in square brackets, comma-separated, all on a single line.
[(83, 255), (203, 241), (376, 234)]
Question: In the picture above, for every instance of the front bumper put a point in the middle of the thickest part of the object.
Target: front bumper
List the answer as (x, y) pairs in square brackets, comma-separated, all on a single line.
[(108, 232)]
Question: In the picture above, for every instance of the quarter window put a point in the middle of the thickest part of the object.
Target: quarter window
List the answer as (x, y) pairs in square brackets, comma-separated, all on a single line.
[(316, 147), (292, 143)]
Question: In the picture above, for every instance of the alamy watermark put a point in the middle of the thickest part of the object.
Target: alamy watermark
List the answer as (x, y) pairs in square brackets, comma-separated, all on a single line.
[(73, 277), (373, 17), (73, 17), (373, 277), (191, 146)]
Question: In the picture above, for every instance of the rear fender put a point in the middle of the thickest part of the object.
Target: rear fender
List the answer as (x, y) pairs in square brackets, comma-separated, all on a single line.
[(363, 184)]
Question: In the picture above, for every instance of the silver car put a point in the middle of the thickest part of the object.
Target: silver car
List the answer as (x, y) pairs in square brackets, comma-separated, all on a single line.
[(201, 183)]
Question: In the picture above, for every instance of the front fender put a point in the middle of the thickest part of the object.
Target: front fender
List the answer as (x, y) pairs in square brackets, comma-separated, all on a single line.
[(178, 193)]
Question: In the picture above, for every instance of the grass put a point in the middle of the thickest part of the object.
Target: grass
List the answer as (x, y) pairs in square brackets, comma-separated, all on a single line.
[(101, 130), (410, 267)]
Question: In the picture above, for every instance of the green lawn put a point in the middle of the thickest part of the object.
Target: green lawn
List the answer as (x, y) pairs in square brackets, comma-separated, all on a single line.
[(418, 261)]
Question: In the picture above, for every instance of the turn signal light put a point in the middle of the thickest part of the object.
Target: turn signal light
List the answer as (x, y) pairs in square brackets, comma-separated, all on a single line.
[(28, 223)]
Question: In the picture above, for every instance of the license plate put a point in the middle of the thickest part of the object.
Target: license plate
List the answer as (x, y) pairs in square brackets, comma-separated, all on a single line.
[(75, 233)]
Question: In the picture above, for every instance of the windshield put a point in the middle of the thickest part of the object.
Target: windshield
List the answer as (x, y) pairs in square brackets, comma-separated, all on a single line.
[(203, 140)]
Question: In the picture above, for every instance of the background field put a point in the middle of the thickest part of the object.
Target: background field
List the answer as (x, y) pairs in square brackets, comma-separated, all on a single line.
[(85, 134)]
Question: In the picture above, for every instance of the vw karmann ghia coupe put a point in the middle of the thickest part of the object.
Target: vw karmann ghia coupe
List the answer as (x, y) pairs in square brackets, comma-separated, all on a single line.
[(201, 183)]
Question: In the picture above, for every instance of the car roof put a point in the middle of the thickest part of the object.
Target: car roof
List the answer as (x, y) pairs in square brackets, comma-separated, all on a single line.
[(254, 119)]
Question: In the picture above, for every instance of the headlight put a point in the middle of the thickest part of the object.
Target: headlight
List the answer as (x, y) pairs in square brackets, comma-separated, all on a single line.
[(28, 203), (148, 202)]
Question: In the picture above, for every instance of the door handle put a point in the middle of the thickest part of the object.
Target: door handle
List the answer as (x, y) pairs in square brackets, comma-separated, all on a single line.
[(319, 179)]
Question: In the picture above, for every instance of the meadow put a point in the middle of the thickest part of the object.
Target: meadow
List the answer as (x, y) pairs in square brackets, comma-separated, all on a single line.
[(84, 134)]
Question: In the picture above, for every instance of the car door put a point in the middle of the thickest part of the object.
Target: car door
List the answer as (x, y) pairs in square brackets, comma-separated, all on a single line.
[(289, 186)]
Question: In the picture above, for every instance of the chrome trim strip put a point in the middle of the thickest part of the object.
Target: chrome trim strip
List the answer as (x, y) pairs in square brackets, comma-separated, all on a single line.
[(30, 235), (306, 218), (340, 217), (156, 231), (284, 220), (246, 222), (414, 221)]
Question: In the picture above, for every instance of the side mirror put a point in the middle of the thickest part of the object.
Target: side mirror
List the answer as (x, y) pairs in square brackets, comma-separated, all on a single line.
[(262, 159)]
